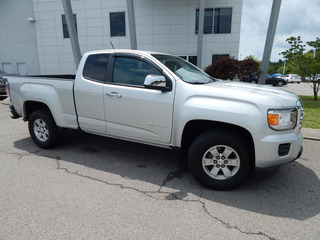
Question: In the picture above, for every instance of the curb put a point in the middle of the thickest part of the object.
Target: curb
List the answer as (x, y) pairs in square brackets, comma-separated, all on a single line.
[(311, 134)]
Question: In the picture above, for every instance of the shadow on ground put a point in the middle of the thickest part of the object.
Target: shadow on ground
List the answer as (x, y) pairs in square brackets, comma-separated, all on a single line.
[(293, 192)]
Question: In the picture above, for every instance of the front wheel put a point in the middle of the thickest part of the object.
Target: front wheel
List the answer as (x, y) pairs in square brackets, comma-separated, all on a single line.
[(280, 84), (43, 129), (219, 159)]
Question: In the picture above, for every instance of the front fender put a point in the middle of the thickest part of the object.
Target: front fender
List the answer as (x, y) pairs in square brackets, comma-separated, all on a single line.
[(194, 102)]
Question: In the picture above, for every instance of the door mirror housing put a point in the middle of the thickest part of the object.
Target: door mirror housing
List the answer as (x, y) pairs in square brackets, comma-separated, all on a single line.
[(157, 82)]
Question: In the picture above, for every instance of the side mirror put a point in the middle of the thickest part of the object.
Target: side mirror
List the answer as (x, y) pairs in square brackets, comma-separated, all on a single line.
[(156, 82)]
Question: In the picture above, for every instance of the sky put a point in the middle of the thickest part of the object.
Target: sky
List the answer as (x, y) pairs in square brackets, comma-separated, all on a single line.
[(296, 18)]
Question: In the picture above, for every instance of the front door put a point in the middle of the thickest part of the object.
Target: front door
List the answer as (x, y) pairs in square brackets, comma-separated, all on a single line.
[(132, 111)]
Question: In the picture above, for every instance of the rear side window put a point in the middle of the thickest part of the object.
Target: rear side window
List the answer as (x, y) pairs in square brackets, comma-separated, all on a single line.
[(95, 67)]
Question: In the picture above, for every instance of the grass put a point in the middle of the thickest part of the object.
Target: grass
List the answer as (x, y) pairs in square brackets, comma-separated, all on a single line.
[(312, 112)]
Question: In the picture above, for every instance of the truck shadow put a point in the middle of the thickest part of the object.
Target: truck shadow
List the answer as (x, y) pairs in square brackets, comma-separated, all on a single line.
[(293, 192)]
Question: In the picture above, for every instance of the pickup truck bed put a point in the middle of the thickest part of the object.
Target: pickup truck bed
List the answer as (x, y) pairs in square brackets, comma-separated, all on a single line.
[(53, 91)]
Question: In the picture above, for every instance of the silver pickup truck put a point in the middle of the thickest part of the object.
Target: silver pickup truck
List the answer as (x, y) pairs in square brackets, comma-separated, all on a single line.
[(227, 128)]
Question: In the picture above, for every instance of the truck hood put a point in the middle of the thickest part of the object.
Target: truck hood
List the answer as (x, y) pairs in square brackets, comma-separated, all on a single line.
[(253, 92)]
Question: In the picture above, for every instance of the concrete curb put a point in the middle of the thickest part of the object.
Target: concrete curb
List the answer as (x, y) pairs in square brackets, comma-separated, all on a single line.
[(311, 134)]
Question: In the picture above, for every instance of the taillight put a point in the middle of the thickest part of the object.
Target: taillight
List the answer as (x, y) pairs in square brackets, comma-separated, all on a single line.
[(8, 89)]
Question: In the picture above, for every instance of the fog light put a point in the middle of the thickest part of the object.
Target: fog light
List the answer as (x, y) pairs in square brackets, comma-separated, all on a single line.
[(284, 149)]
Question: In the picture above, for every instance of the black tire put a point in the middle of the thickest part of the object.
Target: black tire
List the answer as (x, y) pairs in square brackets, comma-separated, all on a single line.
[(43, 129), (279, 83), (225, 143)]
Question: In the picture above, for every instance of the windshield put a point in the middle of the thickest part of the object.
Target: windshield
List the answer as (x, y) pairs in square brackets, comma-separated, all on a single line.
[(183, 69)]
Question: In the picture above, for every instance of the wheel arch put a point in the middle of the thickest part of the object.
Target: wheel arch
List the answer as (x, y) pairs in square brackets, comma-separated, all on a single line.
[(196, 127), (31, 106)]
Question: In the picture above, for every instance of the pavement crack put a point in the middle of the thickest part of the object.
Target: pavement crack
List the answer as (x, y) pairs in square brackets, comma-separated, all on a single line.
[(20, 155), (227, 225), (172, 175), (170, 196)]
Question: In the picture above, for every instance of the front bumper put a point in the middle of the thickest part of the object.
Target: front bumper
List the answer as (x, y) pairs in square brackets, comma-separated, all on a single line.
[(269, 152)]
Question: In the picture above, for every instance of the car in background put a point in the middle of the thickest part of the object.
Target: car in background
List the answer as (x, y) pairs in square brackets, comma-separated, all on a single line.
[(250, 78), (292, 78), (3, 81), (2, 84), (276, 81), (278, 75), (271, 80)]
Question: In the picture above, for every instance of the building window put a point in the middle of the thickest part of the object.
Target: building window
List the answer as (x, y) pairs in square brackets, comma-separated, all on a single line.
[(222, 20), (117, 24), (216, 20), (208, 21), (191, 59), (65, 27), (184, 57), (215, 57)]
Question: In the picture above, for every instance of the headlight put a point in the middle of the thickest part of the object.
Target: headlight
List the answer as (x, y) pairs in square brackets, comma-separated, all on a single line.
[(282, 119)]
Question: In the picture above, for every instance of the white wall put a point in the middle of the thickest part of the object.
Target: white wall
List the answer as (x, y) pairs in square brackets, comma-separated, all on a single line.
[(164, 26), (18, 45)]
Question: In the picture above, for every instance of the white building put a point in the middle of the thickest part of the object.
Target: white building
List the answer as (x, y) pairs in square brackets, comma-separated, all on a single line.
[(34, 38)]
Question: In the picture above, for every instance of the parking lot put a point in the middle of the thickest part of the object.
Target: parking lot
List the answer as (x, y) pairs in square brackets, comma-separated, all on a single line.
[(92, 187), (304, 88)]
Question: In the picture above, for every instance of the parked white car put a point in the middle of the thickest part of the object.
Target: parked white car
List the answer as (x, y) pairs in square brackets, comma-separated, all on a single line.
[(291, 78)]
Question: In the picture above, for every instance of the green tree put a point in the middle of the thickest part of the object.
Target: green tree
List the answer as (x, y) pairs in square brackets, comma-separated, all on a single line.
[(304, 64)]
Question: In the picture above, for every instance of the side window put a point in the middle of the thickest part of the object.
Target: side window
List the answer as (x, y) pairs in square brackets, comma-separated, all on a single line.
[(95, 67), (131, 71)]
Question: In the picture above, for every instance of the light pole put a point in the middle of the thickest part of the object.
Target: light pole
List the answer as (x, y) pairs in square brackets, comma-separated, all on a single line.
[(284, 67), (269, 40)]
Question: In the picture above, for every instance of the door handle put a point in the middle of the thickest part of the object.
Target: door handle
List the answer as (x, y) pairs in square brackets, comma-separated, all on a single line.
[(114, 94)]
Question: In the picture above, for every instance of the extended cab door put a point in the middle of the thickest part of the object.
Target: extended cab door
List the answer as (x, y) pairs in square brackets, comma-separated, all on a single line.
[(88, 92), (133, 111)]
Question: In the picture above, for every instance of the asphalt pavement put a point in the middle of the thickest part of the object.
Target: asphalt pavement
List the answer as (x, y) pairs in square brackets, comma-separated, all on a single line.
[(91, 187)]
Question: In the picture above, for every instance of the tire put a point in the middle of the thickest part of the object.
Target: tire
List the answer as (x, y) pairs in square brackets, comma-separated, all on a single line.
[(279, 83), (219, 159), (43, 129)]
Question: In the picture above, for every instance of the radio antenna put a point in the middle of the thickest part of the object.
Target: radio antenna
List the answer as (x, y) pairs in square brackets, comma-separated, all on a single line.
[(111, 44)]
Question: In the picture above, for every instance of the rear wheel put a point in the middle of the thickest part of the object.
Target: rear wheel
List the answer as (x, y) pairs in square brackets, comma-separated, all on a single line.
[(43, 129), (219, 159)]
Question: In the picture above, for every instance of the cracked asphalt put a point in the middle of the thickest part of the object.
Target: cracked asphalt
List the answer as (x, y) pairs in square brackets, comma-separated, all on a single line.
[(92, 187)]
